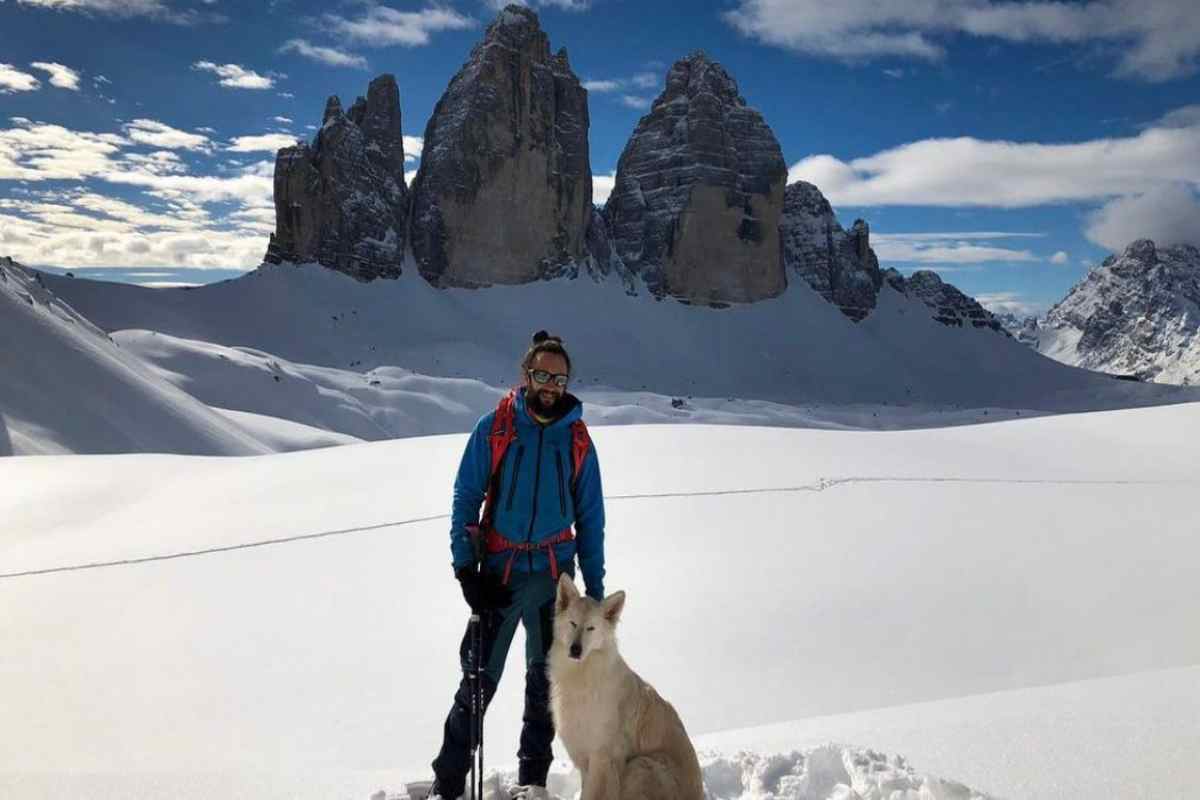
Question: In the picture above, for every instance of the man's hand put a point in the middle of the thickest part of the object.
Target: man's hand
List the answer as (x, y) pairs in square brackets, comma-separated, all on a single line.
[(483, 592)]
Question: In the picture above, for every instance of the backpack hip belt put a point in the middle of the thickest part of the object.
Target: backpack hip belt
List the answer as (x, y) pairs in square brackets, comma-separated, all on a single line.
[(497, 543)]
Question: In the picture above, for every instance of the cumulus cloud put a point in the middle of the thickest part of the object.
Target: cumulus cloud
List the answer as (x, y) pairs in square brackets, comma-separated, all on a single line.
[(269, 142), (14, 80), (1159, 39), (325, 55), (973, 172), (235, 76), (85, 226), (1060, 257), (60, 76), (380, 26), (158, 134), (1167, 214), (636, 101)]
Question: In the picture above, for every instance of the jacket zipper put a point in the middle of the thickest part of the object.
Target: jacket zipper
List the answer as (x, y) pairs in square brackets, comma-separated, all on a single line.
[(537, 479), (512, 484), (562, 497)]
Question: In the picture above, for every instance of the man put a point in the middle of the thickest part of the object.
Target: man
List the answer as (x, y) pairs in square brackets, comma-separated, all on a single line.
[(547, 479)]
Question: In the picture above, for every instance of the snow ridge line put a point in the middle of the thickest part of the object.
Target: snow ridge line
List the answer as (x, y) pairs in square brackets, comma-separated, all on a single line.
[(822, 484)]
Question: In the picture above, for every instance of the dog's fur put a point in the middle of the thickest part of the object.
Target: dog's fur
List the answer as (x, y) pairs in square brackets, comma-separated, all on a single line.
[(627, 742)]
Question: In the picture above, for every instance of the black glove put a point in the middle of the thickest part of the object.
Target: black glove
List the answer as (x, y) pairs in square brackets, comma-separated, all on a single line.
[(483, 592)]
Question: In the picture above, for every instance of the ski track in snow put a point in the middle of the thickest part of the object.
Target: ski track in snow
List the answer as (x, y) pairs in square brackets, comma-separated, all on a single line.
[(821, 485)]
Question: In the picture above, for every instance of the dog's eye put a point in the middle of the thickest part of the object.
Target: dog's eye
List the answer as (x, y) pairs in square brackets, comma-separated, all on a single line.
[(573, 625), (591, 627)]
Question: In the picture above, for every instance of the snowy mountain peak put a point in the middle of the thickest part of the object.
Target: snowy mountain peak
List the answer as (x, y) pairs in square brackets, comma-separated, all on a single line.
[(1136, 314)]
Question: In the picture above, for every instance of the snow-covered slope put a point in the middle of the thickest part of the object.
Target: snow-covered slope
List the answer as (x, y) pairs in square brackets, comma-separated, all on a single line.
[(66, 387), (793, 349), (773, 574)]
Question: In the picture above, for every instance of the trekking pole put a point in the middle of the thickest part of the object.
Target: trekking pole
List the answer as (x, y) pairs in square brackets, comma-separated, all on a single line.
[(476, 638)]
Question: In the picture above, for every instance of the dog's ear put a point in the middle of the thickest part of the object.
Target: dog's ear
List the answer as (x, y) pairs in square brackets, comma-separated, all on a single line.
[(567, 593), (612, 607)]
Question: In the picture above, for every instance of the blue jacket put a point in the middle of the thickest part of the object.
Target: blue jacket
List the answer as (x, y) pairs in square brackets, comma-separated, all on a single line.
[(536, 497)]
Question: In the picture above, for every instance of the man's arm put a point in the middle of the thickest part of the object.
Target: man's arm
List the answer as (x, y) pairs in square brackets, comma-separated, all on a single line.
[(589, 524), (470, 486)]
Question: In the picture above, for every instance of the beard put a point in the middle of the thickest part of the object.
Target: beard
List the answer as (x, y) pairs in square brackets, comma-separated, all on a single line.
[(533, 399)]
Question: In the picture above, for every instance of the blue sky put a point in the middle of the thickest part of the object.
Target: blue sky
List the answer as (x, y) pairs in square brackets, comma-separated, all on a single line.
[(1005, 145)]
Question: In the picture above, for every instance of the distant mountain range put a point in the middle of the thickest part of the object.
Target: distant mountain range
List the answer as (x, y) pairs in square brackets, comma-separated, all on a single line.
[(1137, 315)]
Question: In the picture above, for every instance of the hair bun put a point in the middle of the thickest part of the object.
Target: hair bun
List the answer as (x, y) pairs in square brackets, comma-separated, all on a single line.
[(540, 337)]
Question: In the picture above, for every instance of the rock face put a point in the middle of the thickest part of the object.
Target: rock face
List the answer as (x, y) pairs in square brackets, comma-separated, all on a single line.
[(342, 201), (1137, 314), (699, 190), (840, 266), (504, 190), (949, 305)]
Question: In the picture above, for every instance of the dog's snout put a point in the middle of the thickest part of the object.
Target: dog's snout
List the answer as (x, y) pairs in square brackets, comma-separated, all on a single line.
[(576, 649)]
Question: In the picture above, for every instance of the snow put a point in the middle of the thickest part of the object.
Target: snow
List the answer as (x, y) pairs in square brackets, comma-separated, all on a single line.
[(876, 588), (66, 387)]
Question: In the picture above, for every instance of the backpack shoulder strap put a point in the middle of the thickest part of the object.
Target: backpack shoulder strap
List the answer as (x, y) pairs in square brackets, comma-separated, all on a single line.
[(581, 442), (504, 431)]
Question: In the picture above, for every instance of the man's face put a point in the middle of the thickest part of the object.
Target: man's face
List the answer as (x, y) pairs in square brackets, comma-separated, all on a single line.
[(543, 398)]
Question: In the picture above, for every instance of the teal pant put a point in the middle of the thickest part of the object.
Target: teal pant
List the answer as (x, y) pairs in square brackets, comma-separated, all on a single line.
[(533, 607)]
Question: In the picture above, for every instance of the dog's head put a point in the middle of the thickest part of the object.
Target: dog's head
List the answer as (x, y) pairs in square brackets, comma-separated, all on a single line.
[(581, 625)]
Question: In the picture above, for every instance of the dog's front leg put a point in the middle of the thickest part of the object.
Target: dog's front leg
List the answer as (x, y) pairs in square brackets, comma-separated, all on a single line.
[(601, 780)]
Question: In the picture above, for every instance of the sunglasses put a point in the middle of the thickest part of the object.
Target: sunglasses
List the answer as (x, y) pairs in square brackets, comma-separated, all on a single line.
[(541, 376)]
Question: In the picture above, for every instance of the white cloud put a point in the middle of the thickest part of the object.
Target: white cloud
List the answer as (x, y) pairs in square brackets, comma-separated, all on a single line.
[(1185, 117), (287, 95), (38, 152), (974, 172), (602, 186), (894, 73), (60, 76), (942, 248), (1156, 39), (380, 26), (634, 101), (603, 86), (154, 9), (269, 142), (413, 147), (1009, 303), (325, 55), (99, 79), (565, 5), (1167, 214), (1060, 257), (283, 120), (158, 134), (160, 162), (646, 80), (14, 80), (236, 77)]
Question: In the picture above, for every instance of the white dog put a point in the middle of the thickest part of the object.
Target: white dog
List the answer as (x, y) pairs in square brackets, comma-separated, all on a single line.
[(627, 742)]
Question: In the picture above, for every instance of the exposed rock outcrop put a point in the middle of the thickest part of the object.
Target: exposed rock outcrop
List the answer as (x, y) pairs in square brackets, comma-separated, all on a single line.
[(949, 305), (1137, 314), (504, 190), (699, 191), (839, 265), (342, 201)]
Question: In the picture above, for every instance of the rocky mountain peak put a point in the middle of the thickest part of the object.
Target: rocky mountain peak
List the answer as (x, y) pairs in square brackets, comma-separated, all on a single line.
[(698, 74), (838, 264), (342, 201), (698, 193), (504, 190), (1136, 314)]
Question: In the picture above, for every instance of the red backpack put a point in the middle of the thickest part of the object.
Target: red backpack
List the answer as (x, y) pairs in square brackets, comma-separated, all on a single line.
[(503, 433)]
